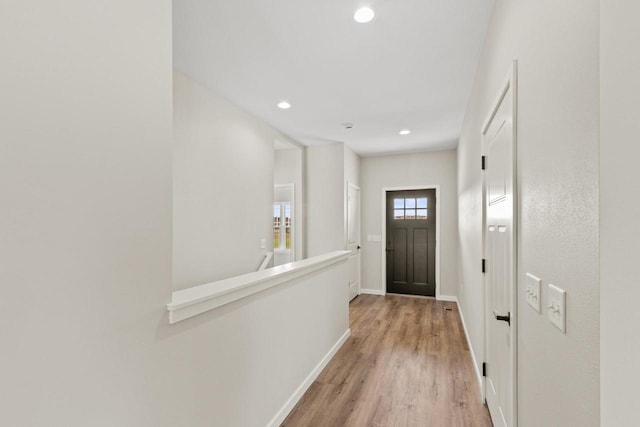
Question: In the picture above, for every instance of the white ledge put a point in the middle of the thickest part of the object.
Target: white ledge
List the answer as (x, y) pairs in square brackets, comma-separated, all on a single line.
[(190, 302)]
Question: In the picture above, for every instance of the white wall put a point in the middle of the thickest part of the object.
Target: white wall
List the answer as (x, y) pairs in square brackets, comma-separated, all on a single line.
[(85, 226), (432, 168), (286, 169), (223, 172), (351, 167), (556, 44), (620, 210), (237, 366), (85, 223), (325, 198), (328, 169), (351, 176)]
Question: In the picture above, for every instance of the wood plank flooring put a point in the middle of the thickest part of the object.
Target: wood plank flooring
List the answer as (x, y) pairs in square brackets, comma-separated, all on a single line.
[(406, 364)]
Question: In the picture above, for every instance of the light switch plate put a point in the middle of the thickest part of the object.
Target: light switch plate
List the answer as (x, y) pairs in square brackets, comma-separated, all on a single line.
[(374, 238), (532, 292), (557, 307), (263, 243)]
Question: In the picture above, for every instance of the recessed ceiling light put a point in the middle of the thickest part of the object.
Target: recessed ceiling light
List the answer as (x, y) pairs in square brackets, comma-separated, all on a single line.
[(363, 15), (284, 105), (404, 132)]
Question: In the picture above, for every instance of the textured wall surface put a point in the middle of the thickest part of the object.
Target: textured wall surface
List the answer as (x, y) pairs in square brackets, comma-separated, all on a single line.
[(556, 45), (620, 210)]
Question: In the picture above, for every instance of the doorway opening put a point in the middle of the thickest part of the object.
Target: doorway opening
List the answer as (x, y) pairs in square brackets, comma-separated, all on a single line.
[(410, 257), (288, 202)]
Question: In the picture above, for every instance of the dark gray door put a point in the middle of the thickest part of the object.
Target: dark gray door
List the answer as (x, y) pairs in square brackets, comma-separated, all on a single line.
[(411, 242)]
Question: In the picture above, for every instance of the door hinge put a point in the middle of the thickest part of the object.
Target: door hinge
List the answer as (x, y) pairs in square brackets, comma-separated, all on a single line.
[(484, 162), (484, 265), (484, 369)]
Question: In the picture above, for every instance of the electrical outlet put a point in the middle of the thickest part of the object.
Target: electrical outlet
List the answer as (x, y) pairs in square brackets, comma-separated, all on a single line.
[(557, 307), (532, 292)]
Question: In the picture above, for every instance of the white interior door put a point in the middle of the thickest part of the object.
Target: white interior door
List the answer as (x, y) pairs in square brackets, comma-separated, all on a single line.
[(500, 253), (353, 239)]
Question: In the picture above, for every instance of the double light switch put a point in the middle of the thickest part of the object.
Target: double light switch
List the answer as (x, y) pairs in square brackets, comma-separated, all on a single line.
[(556, 301)]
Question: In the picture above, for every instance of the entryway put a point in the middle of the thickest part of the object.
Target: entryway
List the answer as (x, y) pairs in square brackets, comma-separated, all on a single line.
[(411, 224)]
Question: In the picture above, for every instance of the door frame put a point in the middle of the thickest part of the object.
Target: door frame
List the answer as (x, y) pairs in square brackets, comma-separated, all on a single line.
[(384, 234), (294, 218), (511, 81), (359, 243)]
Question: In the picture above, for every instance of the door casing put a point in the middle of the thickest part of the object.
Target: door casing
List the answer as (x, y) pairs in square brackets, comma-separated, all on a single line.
[(294, 218), (510, 82), (384, 232), (355, 245)]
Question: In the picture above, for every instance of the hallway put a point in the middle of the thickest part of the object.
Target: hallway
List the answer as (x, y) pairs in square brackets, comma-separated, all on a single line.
[(406, 364)]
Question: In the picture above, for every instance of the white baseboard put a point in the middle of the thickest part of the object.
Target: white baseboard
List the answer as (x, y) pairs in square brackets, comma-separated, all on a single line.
[(473, 355), (291, 402), (450, 298), (372, 291)]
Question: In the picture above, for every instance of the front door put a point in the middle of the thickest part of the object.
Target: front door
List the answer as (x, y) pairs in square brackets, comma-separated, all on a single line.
[(500, 248), (411, 242)]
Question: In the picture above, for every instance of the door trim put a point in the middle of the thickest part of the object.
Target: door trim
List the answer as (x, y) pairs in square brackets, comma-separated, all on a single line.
[(294, 218), (359, 242), (384, 231), (511, 81)]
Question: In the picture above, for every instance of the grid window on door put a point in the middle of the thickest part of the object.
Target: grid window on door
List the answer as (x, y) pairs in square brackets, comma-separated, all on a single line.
[(410, 208)]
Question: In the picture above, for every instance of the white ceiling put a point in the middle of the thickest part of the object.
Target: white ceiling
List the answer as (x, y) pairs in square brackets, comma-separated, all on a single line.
[(411, 67)]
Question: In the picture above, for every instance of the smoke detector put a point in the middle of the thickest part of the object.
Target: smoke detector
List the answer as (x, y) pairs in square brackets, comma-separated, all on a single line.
[(347, 125)]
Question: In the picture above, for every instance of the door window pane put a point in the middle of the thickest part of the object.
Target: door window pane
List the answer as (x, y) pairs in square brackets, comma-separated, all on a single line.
[(410, 203), (398, 214), (421, 213), (288, 237), (398, 203), (287, 214), (276, 215), (276, 237), (410, 214), (422, 203)]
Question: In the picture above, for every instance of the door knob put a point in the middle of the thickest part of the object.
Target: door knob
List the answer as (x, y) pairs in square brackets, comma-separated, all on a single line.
[(502, 318)]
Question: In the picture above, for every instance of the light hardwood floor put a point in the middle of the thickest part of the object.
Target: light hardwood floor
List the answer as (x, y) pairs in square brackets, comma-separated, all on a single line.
[(406, 364)]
